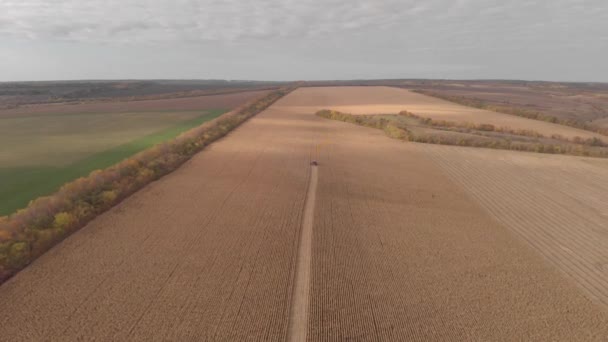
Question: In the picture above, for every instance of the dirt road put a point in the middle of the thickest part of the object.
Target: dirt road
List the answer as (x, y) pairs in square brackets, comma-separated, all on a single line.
[(399, 251), (298, 318)]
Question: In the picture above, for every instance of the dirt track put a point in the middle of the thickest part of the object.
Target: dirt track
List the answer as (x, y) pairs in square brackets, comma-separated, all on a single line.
[(300, 300), (399, 251)]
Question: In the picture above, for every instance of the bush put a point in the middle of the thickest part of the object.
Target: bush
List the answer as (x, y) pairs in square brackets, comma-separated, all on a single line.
[(486, 127), (18, 255), (5, 235), (109, 197), (395, 132), (64, 221)]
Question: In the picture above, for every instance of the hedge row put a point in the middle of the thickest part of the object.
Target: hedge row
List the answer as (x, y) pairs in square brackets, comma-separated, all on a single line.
[(526, 113), (29, 232), (596, 142), (395, 129)]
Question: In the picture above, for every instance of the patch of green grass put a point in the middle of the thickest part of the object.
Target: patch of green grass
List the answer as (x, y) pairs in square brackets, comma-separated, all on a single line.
[(20, 185), (60, 140)]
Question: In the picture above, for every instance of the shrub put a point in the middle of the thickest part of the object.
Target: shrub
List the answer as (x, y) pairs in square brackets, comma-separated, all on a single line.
[(18, 255), (486, 127), (109, 197), (4, 235), (63, 221), (395, 132)]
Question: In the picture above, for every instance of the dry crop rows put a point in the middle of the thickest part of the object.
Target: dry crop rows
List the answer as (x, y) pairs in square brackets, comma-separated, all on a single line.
[(557, 204), (399, 251), (206, 253)]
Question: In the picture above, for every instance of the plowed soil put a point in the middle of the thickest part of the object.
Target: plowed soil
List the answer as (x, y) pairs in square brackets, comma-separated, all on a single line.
[(399, 250)]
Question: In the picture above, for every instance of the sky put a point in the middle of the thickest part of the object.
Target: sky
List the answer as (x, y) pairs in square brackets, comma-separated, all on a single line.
[(552, 40)]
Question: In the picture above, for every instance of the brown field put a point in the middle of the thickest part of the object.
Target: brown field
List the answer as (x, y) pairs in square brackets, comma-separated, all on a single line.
[(399, 250), (557, 204), (386, 100), (567, 101), (174, 104)]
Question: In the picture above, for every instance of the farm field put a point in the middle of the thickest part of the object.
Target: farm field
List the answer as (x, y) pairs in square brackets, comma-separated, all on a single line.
[(389, 100), (17, 94), (205, 253), (45, 146), (397, 249), (172, 104), (557, 204), (582, 102)]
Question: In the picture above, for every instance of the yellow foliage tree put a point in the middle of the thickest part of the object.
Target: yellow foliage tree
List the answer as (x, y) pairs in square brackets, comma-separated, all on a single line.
[(108, 197), (63, 221)]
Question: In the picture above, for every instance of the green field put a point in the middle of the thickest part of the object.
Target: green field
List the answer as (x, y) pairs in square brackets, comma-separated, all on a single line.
[(39, 154)]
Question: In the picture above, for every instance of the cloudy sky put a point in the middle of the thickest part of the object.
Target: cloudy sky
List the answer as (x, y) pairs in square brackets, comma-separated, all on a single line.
[(305, 39)]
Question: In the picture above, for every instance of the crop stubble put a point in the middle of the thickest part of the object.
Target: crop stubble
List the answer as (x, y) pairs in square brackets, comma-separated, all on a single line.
[(205, 253), (399, 250), (558, 204)]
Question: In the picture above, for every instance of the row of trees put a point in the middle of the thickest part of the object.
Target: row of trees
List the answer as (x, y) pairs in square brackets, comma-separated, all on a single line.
[(396, 129), (526, 113), (468, 126), (29, 232)]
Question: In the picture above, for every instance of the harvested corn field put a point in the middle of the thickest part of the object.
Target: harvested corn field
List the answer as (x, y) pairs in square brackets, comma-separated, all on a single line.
[(556, 204), (397, 248), (206, 253)]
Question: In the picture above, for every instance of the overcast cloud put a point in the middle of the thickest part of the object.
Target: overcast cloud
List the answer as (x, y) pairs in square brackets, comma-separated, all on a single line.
[(304, 39)]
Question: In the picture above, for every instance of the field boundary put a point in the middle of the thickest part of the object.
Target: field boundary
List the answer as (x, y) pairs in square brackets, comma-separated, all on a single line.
[(399, 130), (510, 110), (135, 98), (13, 198), (46, 221)]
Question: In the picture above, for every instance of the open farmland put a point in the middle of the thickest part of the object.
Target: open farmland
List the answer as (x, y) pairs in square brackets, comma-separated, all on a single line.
[(173, 104), (394, 100), (16, 94), (585, 103), (396, 249), (557, 204), (45, 146)]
